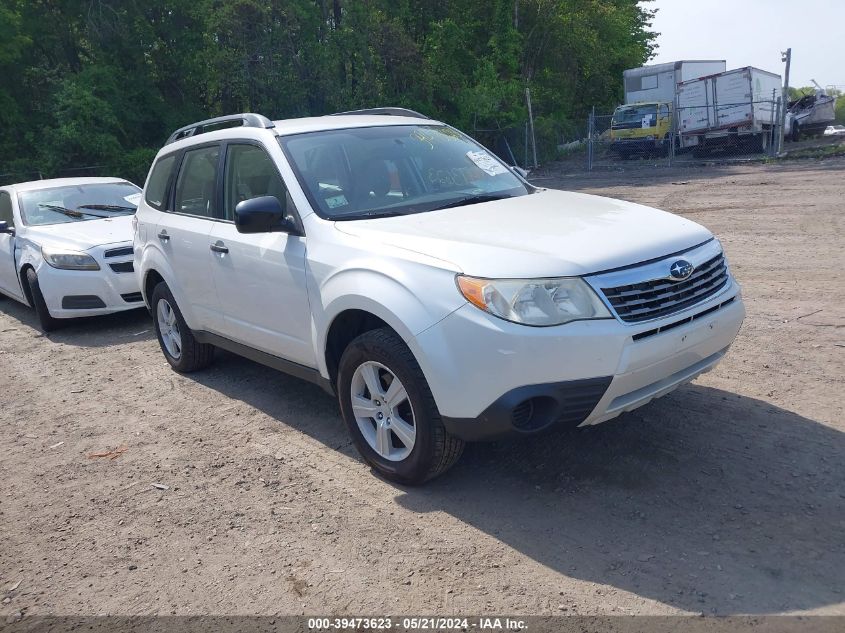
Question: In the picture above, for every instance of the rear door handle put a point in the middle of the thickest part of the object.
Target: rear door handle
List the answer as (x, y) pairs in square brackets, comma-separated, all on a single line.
[(219, 247), (163, 236)]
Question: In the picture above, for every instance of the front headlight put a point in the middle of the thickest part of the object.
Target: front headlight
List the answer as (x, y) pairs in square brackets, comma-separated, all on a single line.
[(69, 260), (534, 301)]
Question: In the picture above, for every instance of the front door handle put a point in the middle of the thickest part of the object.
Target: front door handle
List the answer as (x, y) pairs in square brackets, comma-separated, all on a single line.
[(163, 236), (219, 247)]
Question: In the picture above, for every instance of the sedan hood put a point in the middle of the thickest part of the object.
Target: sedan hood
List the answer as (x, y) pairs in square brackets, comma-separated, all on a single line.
[(80, 236), (547, 234)]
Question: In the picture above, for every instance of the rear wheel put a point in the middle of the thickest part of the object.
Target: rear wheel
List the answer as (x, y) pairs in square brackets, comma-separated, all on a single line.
[(181, 349), (47, 322), (390, 412)]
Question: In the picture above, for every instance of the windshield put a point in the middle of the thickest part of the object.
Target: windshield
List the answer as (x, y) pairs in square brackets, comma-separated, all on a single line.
[(643, 116), (77, 203), (395, 170)]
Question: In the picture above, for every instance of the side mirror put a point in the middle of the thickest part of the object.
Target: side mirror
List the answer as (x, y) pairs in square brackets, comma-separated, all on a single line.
[(262, 215), (5, 228)]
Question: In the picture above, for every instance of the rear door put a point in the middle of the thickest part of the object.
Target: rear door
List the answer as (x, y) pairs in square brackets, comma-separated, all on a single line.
[(183, 233), (260, 278), (9, 283)]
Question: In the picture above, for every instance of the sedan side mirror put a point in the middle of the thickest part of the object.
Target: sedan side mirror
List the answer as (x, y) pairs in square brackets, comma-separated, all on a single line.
[(264, 214), (5, 228)]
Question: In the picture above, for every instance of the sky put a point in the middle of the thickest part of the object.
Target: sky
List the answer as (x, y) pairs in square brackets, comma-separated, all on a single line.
[(754, 32)]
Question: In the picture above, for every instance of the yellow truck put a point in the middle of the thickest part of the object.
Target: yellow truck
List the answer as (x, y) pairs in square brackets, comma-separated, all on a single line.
[(641, 128)]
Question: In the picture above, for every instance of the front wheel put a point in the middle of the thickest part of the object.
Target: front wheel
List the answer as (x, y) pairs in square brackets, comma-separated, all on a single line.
[(47, 322), (390, 412), (183, 352)]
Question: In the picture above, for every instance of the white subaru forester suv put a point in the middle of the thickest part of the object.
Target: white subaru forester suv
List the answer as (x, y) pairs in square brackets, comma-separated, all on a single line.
[(442, 298)]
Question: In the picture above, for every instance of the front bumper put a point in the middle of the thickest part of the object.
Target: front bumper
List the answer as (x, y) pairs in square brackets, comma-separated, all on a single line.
[(485, 372), (78, 293), (629, 145)]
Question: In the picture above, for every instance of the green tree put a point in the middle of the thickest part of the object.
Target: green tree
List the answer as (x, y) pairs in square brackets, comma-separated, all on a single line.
[(111, 79)]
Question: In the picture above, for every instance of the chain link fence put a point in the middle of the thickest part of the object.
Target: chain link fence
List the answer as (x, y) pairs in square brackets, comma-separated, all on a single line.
[(551, 141)]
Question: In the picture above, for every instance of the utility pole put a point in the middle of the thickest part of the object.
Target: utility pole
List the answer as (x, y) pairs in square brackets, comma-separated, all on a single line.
[(531, 124), (784, 57)]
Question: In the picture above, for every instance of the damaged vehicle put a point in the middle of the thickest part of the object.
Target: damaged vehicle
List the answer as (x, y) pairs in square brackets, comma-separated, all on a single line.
[(810, 115), (440, 296), (66, 247)]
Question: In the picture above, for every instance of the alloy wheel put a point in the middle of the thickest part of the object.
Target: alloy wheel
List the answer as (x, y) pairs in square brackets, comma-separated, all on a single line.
[(383, 411), (169, 328)]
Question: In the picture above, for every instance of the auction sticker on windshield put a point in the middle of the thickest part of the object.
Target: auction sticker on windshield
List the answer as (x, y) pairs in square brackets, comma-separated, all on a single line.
[(486, 163)]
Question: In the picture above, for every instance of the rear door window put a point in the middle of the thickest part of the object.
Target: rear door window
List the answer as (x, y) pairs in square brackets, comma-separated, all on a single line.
[(196, 185)]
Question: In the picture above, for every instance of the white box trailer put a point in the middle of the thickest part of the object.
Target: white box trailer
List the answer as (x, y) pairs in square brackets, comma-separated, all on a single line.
[(659, 83), (729, 107)]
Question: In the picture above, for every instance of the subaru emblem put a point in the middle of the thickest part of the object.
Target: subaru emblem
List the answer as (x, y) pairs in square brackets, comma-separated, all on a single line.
[(680, 270)]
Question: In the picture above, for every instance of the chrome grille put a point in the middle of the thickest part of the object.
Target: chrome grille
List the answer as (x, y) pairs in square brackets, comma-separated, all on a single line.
[(661, 297)]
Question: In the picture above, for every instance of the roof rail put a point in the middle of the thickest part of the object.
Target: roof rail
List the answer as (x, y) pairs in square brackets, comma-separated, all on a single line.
[(247, 119), (390, 111)]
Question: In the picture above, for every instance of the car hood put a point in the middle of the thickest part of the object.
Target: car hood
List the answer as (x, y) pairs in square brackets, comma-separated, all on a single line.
[(547, 234), (81, 236)]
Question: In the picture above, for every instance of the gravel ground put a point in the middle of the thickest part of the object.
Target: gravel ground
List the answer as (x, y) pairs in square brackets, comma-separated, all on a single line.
[(724, 497)]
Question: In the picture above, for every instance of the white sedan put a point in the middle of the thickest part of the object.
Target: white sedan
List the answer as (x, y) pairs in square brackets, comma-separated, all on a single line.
[(66, 247), (834, 130)]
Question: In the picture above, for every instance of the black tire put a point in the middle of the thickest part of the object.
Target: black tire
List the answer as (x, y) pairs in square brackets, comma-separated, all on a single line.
[(194, 355), (47, 322), (435, 450)]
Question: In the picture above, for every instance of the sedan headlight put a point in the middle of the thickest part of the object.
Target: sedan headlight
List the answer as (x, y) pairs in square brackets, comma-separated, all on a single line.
[(69, 260), (534, 301)]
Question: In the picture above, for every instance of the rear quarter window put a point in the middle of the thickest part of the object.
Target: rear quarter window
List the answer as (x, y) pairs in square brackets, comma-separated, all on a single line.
[(156, 191)]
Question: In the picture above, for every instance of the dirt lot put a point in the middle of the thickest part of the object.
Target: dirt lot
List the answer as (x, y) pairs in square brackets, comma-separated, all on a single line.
[(727, 496)]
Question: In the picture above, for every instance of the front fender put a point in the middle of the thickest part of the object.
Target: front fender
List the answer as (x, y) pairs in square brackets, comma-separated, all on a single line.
[(27, 253), (410, 298)]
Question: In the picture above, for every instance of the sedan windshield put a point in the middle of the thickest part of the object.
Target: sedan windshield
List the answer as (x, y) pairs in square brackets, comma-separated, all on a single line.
[(396, 170), (76, 203)]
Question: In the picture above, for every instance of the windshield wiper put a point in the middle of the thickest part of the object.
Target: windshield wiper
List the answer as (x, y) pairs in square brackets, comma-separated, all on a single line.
[(368, 214), (107, 207), (473, 199), (73, 213)]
